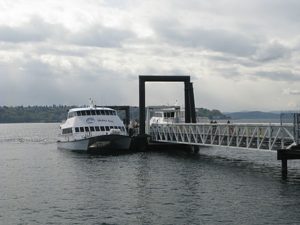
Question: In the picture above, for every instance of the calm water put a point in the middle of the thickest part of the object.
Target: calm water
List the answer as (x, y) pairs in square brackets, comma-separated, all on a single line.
[(43, 185)]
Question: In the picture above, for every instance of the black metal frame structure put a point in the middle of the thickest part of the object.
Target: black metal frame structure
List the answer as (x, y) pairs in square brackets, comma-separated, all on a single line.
[(190, 113)]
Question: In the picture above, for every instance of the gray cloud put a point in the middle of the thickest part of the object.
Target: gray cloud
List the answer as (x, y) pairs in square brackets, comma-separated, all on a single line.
[(289, 91), (269, 13), (58, 56), (229, 59), (38, 83), (36, 30), (219, 40), (272, 51), (100, 36), (287, 11), (28, 82), (283, 75), (9, 34)]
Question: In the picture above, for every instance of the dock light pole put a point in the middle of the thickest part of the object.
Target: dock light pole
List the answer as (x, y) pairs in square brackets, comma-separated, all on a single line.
[(190, 113)]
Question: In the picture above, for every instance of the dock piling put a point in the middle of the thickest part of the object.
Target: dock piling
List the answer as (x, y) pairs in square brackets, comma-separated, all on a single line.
[(287, 154)]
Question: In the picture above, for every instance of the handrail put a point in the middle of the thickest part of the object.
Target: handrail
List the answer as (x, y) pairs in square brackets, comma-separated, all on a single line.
[(250, 136)]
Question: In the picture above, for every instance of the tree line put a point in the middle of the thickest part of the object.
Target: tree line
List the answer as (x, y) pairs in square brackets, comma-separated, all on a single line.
[(58, 113), (33, 114)]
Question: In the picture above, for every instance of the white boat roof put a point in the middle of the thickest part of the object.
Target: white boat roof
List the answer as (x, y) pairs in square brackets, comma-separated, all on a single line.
[(89, 108)]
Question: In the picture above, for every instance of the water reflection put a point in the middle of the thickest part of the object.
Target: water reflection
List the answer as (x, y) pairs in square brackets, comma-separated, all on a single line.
[(43, 185)]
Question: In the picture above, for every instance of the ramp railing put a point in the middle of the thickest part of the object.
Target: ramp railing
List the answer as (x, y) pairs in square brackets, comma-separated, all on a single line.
[(250, 136)]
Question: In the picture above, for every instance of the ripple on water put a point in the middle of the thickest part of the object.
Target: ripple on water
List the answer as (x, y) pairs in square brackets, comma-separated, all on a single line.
[(43, 185)]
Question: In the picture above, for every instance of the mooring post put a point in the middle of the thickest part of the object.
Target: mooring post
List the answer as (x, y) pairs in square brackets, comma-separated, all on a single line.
[(127, 115), (142, 104), (196, 149), (187, 101), (282, 154), (284, 167), (192, 103)]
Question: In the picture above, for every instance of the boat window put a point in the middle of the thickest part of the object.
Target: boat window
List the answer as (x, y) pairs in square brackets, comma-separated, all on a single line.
[(78, 113), (169, 114), (97, 128), (98, 112), (86, 129), (102, 128), (158, 114), (81, 129), (102, 112), (93, 112), (88, 112), (71, 114), (83, 113), (111, 127), (115, 127), (67, 130), (114, 113), (76, 129), (92, 128), (107, 128)]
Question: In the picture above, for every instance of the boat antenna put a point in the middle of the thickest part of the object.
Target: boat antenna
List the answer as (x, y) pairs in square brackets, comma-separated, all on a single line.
[(176, 102), (92, 103)]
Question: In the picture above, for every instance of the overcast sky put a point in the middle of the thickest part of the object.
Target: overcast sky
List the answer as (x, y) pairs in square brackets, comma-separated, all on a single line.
[(241, 55)]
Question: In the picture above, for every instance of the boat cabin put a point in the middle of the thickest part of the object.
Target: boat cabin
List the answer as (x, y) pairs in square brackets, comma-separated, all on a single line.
[(166, 115), (92, 112), (92, 121)]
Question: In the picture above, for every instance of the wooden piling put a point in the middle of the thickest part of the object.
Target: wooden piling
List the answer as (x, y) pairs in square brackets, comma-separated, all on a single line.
[(287, 154)]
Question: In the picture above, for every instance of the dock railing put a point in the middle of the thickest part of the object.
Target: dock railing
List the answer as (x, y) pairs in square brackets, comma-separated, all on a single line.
[(250, 136)]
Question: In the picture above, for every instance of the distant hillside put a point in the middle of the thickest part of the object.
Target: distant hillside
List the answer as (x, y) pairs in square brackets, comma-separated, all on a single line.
[(54, 113), (211, 114), (33, 114), (253, 115)]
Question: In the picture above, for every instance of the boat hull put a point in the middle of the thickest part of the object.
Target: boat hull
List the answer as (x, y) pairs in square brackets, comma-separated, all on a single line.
[(104, 143)]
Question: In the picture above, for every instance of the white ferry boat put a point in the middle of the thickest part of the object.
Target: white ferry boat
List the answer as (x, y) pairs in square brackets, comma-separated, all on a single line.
[(170, 115), (166, 115), (93, 129)]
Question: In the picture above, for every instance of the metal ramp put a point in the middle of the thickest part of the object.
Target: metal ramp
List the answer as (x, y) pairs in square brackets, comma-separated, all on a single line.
[(249, 136)]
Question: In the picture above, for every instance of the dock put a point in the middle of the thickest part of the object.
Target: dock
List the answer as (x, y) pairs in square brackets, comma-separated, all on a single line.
[(283, 138)]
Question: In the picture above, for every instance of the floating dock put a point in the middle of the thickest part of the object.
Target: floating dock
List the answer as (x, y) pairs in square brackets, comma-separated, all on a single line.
[(283, 138)]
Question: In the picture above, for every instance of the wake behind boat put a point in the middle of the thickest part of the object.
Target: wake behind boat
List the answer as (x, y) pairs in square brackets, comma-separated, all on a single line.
[(93, 129)]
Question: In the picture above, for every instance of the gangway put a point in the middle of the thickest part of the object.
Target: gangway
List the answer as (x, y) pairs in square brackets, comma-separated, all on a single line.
[(249, 136), (283, 137)]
